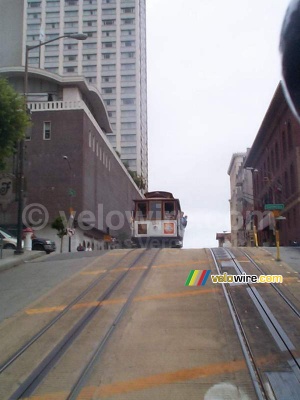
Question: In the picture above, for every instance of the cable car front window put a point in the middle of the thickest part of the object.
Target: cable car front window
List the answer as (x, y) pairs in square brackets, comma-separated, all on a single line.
[(169, 210), (154, 210), (141, 211)]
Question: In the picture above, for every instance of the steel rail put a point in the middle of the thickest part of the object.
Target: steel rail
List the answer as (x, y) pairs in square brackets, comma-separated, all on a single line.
[(31, 341), (249, 357), (97, 353), (281, 294), (266, 313), (38, 374)]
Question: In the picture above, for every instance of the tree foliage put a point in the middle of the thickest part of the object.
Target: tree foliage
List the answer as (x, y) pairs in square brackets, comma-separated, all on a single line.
[(13, 120), (138, 179), (60, 224)]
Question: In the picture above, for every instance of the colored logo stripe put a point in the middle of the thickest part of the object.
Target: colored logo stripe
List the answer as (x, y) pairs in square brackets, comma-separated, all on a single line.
[(197, 277)]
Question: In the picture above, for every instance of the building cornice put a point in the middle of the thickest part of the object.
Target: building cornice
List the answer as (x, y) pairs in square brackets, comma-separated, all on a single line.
[(270, 120), (90, 92), (234, 156)]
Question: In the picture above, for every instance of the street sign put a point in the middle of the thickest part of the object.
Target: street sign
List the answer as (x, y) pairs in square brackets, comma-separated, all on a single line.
[(274, 207), (72, 192), (70, 232)]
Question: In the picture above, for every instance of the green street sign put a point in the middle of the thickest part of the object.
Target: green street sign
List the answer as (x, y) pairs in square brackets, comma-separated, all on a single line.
[(274, 206), (72, 192)]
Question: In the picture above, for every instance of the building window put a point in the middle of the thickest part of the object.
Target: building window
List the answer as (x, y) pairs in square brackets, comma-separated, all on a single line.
[(127, 67), (71, 2), (128, 138), (283, 144), (47, 131), (109, 67), (128, 78), (70, 69), (34, 4), (109, 90), (289, 136), (128, 101), (127, 10), (293, 179), (110, 102), (28, 133), (129, 21), (128, 90), (109, 11), (128, 125), (127, 43), (107, 79), (108, 22), (128, 113), (277, 159), (128, 150)]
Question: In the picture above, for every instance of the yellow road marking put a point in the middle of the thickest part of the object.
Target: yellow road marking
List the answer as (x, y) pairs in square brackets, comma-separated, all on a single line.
[(162, 296), (181, 264), (177, 264), (121, 269), (149, 382)]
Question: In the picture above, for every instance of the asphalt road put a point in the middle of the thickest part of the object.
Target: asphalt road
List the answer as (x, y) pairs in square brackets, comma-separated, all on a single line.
[(21, 285)]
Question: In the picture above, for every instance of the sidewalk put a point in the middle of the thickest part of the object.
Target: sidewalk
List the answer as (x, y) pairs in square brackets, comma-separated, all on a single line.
[(288, 255), (9, 259)]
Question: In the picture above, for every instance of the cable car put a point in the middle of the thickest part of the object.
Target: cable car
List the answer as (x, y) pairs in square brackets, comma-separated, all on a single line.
[(158, 221)]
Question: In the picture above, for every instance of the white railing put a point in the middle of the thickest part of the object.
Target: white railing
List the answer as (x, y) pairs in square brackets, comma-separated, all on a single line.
[(55, 105)]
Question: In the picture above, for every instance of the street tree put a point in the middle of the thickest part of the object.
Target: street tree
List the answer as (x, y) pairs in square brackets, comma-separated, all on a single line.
[(14, 120), (60, 224)]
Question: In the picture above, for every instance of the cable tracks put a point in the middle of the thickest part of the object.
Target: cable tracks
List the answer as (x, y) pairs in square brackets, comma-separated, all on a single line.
[(54, 340), (247, 305)]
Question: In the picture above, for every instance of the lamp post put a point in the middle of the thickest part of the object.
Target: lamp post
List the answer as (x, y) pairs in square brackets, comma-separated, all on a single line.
[(71, 193), (20, 172)]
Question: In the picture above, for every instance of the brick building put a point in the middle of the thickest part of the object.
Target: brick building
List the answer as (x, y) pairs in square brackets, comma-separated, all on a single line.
[(69, 161), (275, 159)]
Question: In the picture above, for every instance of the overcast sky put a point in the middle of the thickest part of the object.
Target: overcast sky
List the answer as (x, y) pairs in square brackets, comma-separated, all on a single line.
[(213, 67)]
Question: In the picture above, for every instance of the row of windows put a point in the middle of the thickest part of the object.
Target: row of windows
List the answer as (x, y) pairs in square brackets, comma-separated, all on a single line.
[(100, 153), (124, 90), (35, 4), (278, 189), (124, 78), (278, 153), (124, 67), (112, 102), (124, 21)]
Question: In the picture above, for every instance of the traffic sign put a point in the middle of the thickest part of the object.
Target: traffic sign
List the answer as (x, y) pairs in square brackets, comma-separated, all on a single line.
[(70, 232), (274, 207)]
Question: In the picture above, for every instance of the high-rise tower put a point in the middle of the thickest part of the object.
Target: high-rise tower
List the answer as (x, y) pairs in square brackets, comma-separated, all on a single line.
[(113, 58)]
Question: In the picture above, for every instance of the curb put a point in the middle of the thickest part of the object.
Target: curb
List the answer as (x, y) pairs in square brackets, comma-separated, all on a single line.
[(16, 260)]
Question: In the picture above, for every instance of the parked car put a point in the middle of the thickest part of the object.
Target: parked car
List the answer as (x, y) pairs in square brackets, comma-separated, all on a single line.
[(10, 242), (43, 245)]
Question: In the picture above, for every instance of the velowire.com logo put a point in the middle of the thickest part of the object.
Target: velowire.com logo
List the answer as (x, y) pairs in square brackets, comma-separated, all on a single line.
[(197, 277)]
